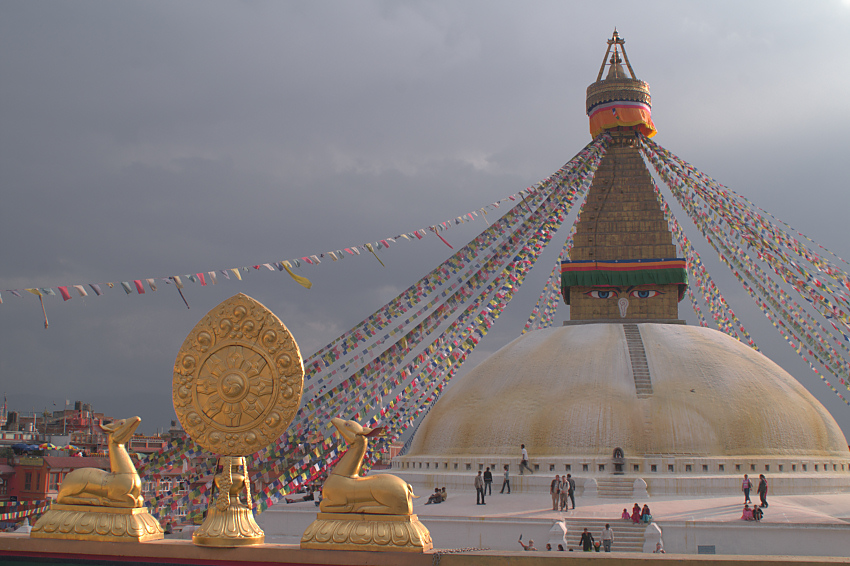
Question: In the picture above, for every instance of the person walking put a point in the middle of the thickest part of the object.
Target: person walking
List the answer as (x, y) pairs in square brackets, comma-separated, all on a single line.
[(571, 490), (746, 486), (607, 538), (506, 482), (762, 490), (524, 462), (488, 481), (586, 541), (479, 489), (555, 492)]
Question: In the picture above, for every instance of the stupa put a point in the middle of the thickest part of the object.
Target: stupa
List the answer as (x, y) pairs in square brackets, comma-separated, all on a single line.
[(625, 395)]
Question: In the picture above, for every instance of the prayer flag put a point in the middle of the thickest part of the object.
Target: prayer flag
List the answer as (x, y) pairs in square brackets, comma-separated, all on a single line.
[(303, 281)]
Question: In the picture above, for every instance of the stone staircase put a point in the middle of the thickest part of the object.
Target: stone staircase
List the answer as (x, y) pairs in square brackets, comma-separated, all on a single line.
[(637, 357), (628, 537), (621, 488)]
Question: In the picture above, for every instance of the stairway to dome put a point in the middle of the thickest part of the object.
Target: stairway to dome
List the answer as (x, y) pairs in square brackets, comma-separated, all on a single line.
[(637, 357), (628, 537), (622, 488)]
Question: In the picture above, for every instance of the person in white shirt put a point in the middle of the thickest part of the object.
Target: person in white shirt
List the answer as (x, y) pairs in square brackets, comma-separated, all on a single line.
[(607, 538), (524, 462)]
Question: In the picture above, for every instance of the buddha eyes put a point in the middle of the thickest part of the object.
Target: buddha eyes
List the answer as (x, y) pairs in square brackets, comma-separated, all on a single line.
[(602, 294), (613, 294), (645, 293)]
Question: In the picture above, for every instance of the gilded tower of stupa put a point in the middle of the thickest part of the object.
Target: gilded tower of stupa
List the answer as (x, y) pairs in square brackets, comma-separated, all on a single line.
[(624, 390), (623, 263)]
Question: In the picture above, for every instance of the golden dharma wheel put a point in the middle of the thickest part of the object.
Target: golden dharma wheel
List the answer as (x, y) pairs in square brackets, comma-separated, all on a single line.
[(237, 378)]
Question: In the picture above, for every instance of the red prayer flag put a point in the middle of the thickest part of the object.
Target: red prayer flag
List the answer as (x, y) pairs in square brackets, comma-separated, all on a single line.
[(65, 294)]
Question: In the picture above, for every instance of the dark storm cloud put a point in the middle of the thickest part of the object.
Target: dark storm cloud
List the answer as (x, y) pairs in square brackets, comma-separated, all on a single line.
[(150, 139)]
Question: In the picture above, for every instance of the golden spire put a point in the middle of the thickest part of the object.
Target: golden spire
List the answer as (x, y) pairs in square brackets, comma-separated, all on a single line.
[(619, 45), (618, 100)]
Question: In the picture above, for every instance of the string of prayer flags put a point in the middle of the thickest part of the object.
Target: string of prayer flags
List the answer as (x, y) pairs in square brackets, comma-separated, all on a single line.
[(397, 396), (209, 277), (746, 239)]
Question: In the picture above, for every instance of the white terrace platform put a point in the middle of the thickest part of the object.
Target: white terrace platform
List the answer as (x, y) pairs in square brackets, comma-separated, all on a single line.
[(796, 525)]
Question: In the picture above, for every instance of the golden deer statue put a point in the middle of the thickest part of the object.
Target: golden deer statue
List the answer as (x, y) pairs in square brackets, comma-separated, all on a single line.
[(104, 506), (345, 491), (119, 488)]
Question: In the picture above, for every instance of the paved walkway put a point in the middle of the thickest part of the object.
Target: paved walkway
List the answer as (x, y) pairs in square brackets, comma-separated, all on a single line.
[(816, 509)]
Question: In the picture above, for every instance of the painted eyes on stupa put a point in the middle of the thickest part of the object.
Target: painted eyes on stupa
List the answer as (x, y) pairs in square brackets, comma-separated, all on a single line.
[(613, 294), (645, 293), (596, 294)]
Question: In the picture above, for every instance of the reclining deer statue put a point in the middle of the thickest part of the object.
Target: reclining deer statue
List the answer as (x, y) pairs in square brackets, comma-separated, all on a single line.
[(345, 491), (119, 488)]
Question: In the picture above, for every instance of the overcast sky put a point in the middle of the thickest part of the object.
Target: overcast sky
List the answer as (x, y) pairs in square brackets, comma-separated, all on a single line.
[(148, 139)]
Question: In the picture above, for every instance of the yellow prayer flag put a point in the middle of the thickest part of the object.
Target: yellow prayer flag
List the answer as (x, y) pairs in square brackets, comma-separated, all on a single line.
[(303, 281)]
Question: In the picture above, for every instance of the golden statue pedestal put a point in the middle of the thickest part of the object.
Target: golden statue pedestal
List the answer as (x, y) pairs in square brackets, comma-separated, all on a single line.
[(233, 527), (229, 521), (89, 522), (366, 531)]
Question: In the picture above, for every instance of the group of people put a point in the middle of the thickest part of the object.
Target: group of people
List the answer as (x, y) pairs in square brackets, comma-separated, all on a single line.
[(638, 515), (747, 485), (754, 514), (563, 492), (757, 512), (586, 543), (606, 539), (484, 481), (438, 496), (311, 495), (484, 484)]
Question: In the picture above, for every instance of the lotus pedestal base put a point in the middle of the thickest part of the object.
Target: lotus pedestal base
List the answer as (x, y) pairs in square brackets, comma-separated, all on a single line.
[(364, 531), (89, 522), (233, 527)]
